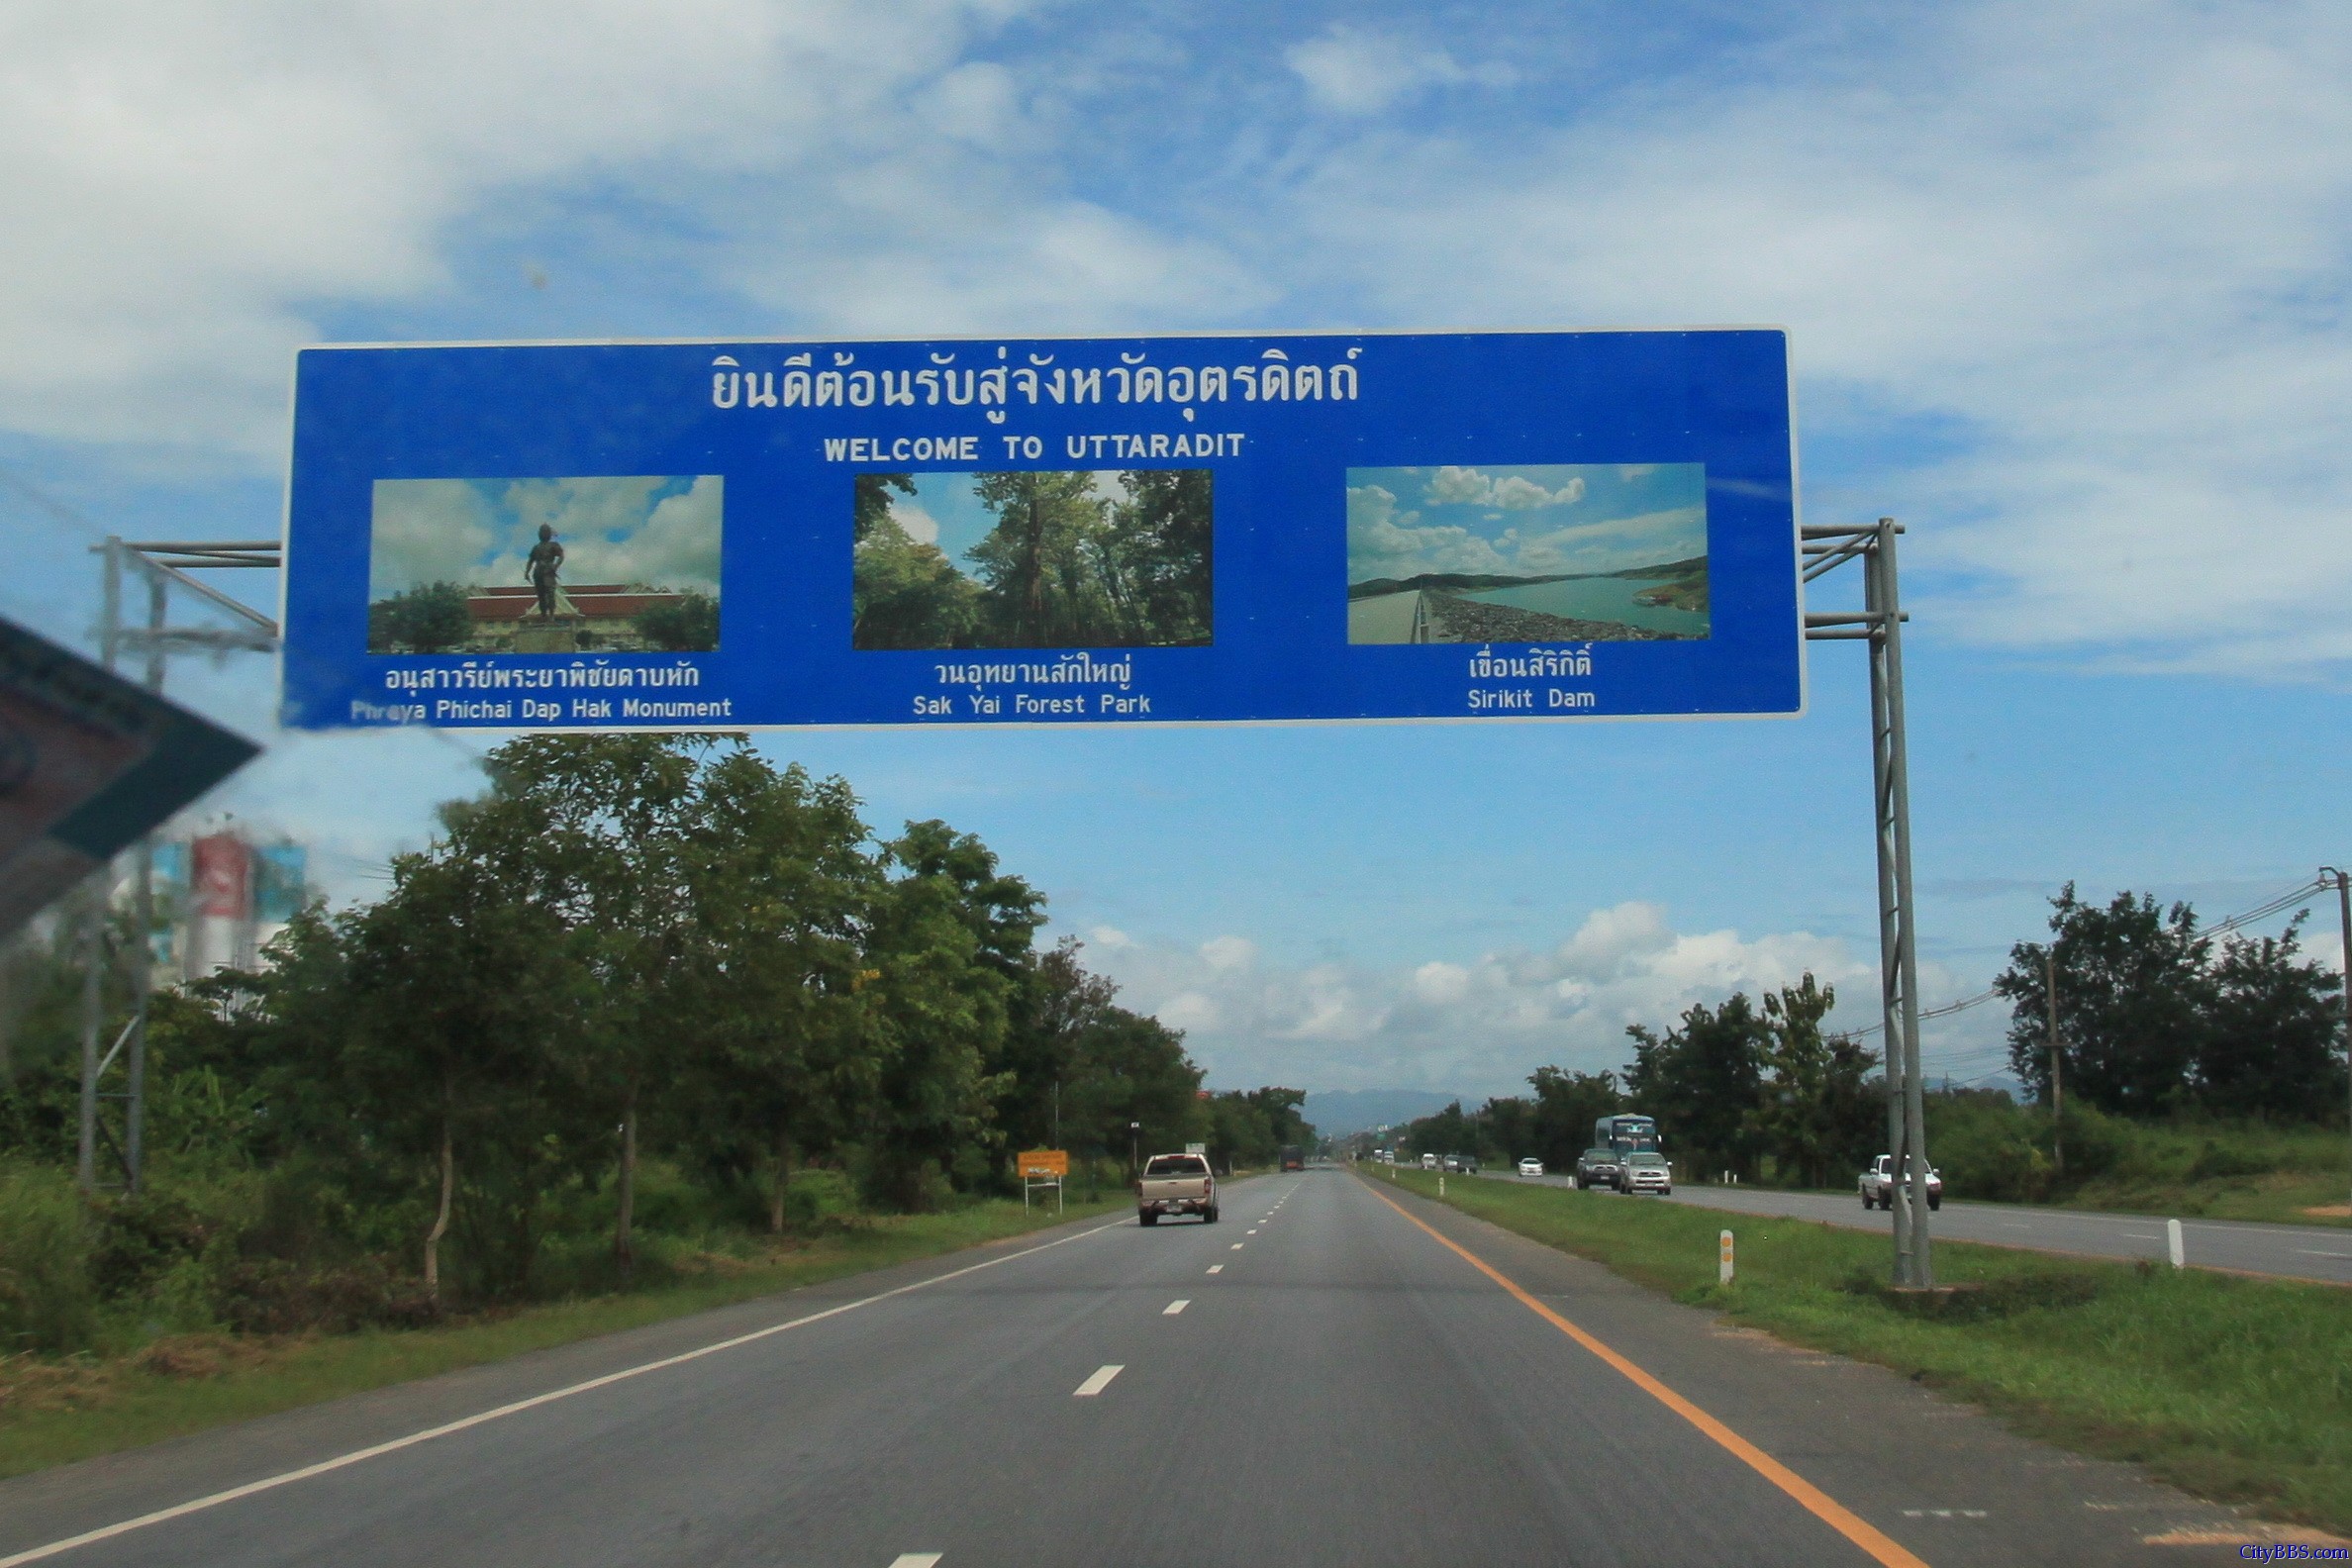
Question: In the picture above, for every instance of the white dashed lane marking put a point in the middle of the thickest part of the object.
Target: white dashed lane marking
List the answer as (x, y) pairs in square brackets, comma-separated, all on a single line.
[(915, 1560), (1216, 1268), (1173, 1308), (1236, 1248), (1099, 1382)]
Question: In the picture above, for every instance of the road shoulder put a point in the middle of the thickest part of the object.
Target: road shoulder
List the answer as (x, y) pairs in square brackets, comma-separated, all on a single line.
[(1946, 1480)]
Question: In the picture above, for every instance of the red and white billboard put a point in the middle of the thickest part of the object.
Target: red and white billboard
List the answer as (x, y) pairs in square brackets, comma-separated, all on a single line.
[(222, 882)]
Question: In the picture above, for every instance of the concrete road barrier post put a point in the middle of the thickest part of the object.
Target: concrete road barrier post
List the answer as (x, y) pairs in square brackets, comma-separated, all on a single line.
[(2172, 1243), (1724, 1260)]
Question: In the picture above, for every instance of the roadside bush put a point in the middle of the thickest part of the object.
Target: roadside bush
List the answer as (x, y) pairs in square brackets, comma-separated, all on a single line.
[(819, 1199), (48, 1298), (138, 1240), (276, 1295)]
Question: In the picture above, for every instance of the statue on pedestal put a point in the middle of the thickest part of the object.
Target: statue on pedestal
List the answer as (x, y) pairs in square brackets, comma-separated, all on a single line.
[(543, 567)]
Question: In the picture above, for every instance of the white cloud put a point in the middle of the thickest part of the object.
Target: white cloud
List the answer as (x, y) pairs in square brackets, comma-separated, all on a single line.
[(1385, 542), (1513, 494), (1481, 1023), (440, 530), (1350, 71), (916, 524), (1457, 486), (186, 181), (2090, 247), (426, 530), (1453, 485)]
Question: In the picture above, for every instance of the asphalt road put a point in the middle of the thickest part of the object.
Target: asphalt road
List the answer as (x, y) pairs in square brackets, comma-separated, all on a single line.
[(1340, 1384), (2318, 1252), (1388, 618)]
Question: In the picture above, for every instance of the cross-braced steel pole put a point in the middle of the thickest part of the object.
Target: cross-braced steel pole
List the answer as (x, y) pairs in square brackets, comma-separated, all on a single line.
[(163, 565), (1880, 625), (2343, 887)]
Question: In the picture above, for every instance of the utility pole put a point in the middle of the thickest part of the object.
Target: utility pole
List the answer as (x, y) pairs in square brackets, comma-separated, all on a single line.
[(1879, 625), (2057, 1089), (2343, 887)]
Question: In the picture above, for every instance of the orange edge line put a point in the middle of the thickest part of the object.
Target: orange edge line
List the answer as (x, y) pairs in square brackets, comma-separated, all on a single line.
[(1811, 1497)]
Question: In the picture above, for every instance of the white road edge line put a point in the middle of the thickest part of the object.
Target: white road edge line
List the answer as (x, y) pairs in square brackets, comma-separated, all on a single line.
[(287, 1478), (1099, 1382), (2311, 1252), (1174, 1307)]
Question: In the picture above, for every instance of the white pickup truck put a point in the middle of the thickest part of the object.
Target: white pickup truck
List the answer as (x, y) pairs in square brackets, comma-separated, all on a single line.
[(1173, 1184), (1881, 1175)]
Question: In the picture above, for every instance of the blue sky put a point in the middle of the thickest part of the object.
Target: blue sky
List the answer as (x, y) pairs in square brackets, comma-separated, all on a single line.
[(2066, 289)]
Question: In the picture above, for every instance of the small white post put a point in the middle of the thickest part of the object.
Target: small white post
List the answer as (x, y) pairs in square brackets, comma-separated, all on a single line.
[(2172, 1243), (1723, 1262), (1442, 1185)]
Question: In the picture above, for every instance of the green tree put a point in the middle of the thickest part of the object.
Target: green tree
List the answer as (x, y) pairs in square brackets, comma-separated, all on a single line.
[(429, 1029), (1817, 1111), (870, 501), (1566, 1107), (2272, 1045), (1447, 1131), (1701, 1080), (904, 594), (431, 618), (594, 831), (688, 624), (1157, 554), (783, 890), (1038, 561), (2134, 1003)]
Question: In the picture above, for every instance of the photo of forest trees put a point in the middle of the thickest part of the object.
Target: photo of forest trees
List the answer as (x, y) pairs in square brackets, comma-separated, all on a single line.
[(1034, 559)]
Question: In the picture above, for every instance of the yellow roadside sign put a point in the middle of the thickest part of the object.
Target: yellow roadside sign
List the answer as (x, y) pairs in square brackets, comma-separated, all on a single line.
[(1043, 1163)]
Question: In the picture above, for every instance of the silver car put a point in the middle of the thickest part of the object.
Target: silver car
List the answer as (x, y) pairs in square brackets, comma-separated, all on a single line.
[(1645, 1172)]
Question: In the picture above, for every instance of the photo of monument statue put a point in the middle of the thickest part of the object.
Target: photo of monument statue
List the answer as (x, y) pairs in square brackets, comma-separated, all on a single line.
[(544, 566), (625, 564)]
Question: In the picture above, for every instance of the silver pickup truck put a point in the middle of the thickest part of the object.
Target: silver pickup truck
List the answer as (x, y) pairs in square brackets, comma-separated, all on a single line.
[(1174, 1184)]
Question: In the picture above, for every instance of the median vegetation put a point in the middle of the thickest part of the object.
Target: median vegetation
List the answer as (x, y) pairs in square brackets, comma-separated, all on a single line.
[(2235, 1389)]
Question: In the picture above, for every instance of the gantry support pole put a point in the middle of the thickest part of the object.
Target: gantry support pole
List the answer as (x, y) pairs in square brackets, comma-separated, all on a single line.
[(1880, 625), (163, 565)]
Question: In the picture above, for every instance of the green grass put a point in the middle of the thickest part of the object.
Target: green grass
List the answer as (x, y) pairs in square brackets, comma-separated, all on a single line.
[(2281, 1196), (57, 1410), (2235, 1389)]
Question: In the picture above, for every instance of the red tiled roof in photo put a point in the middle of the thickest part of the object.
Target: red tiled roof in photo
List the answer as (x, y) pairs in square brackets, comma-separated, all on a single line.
[(596, 601)]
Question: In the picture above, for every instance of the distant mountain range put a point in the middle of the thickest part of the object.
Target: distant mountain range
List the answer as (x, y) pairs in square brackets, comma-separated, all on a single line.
[(1479, 582), (1336, 1113)]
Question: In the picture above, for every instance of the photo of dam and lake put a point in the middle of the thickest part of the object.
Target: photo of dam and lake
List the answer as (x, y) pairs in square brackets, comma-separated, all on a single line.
[(1547, 553)]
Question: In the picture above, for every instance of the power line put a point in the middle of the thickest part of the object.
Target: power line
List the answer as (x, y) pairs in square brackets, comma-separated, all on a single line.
[(2230, 927)]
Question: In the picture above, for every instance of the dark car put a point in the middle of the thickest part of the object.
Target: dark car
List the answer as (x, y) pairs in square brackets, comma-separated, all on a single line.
[(1599, 1167)]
